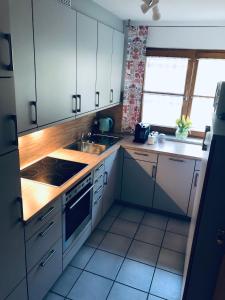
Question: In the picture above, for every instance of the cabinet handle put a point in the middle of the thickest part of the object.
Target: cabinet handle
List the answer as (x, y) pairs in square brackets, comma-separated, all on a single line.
[(42, 218), (111, 96), (154, 170), (98, 190), (177, 160), (105, 178), (14, 141), (43, 233), (48, 258), (98, 98), (7, 37), (19, 200), (196, 179), (33, 104), (141, 154), (74, 110), (79, 109), (99, 168)]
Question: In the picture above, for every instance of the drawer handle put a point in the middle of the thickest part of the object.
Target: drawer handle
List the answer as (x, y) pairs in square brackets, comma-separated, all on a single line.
[(154, 170), (141, 154), (99, 189), (96, 202), (43, 233), (48, 258), (105, 178), (42, 218), (196, 179), (96, 181), (99, 168), (177, 160)]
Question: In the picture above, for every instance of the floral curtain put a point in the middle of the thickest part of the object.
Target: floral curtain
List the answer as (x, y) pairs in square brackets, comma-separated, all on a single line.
[(134, 76)]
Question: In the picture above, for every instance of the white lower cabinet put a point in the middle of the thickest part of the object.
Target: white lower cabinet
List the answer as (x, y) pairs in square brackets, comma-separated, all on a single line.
[(173, 184), (110, 181), (45, 273), (138, 182), (44, 250), (20, 293)]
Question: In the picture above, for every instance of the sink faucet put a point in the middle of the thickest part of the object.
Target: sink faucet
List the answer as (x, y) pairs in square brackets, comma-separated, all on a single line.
[(82, 136)]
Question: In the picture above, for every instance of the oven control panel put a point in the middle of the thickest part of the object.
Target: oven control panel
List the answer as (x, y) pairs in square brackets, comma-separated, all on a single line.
[(77, 188)]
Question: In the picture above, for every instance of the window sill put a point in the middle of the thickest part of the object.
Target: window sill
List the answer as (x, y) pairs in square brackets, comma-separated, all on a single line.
[(189, 140)]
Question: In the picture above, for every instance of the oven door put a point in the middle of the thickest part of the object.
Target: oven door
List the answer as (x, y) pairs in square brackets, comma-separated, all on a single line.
[(77, 214)]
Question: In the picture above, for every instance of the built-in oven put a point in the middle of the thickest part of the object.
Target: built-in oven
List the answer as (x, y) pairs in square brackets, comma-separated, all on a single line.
[(77, 210)]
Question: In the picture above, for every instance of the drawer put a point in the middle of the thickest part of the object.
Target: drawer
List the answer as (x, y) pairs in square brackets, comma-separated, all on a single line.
[(42, 240), (98, 183), (140, 155), (42, 218), (198, 165), (45, 273), (97, 195), (99, 170)]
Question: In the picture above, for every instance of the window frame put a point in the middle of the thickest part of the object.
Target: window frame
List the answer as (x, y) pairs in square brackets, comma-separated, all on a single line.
[(193, 57)]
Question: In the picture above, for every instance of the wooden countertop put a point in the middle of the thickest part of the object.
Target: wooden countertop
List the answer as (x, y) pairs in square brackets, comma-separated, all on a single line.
[(37, 195)]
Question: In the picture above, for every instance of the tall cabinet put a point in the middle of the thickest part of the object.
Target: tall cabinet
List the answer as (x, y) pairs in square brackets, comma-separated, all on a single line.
[(55, 57), (86, 63), (12, 249)]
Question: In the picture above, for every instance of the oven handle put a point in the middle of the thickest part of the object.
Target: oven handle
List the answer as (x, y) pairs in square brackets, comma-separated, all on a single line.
[(81, 197)]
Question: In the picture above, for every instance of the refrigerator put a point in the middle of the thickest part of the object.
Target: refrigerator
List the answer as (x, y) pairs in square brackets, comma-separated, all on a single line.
[(12, 249), (206, 241)]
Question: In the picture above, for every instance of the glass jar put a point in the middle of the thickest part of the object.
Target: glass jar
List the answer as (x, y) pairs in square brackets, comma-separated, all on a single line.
[(182, 133)]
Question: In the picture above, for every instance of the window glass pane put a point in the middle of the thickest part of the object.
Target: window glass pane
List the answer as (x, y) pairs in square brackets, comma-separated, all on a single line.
[(210, 71), (161, 110), (201, 113), (165, 74)]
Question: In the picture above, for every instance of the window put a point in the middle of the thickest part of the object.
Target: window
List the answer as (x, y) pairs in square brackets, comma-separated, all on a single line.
[(181, 82)]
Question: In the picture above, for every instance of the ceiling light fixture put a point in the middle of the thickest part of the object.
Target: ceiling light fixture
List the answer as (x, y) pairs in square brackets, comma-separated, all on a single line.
[(151, 4)]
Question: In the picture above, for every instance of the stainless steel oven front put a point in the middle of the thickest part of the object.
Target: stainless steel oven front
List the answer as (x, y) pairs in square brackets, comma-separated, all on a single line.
[(77, 209)]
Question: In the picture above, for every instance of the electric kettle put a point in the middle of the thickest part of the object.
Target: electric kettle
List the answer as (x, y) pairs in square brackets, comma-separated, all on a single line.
[(105, 124)]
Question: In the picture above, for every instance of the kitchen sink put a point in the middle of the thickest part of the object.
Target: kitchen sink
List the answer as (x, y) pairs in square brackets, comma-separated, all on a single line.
[(95, 144), (86, 146)]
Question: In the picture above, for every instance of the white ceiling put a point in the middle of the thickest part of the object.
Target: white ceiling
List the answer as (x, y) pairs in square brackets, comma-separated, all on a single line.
[(171, 10)]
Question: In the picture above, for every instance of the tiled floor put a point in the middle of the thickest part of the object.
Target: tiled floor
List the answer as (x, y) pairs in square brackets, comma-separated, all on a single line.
[(132, 255)]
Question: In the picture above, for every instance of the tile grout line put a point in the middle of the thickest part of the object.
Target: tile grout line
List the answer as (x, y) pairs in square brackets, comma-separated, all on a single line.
[(158, 257), (125, 253)]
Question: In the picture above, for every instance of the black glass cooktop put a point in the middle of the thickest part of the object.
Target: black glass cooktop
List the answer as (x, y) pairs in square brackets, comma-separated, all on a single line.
[(52, 171)]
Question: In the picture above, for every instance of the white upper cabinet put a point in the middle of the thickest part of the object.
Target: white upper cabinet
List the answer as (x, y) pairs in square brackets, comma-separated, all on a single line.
[(104, 65), (86, 63), (117, 66), (55, 54), (6, 66), (23, 62)]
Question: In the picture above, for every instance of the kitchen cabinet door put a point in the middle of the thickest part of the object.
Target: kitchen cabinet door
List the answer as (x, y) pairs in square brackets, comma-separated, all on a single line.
[(96, 210), (6, 66), (193, 192), (8, 128), (110, 181), (12, 249), (138, 182), (117, 66), (55, 58), (23, 62), (104, 65), (173, 184), (86, 63)]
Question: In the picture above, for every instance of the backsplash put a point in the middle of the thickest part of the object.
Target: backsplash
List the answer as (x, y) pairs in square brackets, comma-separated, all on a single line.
[(115, 113), (39, 144)]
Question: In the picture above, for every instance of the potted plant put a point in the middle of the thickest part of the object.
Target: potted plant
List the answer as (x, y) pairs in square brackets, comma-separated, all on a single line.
[(183, 127)]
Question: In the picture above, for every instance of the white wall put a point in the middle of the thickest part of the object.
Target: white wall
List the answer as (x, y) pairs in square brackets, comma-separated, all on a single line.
[(95, 11), (211, 38)]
